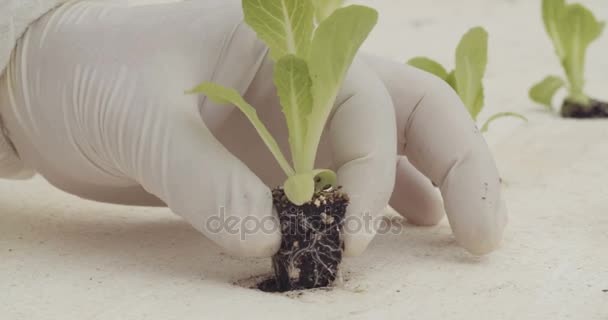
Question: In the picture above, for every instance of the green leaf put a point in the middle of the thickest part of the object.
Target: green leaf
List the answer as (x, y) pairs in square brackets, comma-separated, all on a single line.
[(451, 80), (324, 178), (497, 116), (429, 66), (544, 91), (294, 87), (222, 95), (478, 106), (334, 46), (471, 61), (578, 28), (552, 14), (285, 26), (324, 8), (300, 188)]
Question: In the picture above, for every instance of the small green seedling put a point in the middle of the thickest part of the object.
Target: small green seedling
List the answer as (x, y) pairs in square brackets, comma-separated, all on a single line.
[(467, 77), (572, 28), (310, 66)]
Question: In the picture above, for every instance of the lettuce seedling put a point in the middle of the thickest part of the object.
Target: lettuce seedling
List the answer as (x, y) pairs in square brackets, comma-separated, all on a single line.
[(467, 77), (572, 28), (310, 65)]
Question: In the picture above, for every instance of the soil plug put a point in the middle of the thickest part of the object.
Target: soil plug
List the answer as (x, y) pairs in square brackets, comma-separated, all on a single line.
[(311, 250)]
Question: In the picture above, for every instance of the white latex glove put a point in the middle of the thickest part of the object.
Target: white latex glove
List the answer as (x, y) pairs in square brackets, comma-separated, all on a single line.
[(93, 101), (441, 141)]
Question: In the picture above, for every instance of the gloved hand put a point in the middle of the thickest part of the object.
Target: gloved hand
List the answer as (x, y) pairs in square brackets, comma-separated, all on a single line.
[(93, 100)]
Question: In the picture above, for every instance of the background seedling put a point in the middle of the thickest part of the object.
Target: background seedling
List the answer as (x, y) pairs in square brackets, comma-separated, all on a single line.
[(310, 66), (572, 28), (467, 77)]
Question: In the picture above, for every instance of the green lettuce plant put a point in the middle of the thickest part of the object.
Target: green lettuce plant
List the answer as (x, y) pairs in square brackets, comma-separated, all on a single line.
[(467, 77), (572, 28), (310, 65)]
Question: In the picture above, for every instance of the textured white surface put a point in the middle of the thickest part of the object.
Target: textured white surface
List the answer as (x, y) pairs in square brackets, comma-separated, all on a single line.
[(66, 258)]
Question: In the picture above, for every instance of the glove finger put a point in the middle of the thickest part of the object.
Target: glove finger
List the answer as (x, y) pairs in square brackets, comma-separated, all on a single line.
[(415, 197), (174, 156), (440, 139), (363, 138)]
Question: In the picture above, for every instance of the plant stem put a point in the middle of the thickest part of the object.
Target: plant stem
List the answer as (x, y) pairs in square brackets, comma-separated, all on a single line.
[(579, 98)]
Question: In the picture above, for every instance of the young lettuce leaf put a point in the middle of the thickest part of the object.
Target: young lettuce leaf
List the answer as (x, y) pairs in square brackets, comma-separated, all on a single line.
[(430, 66), (471, 61), (286, 26), (544, 91), (324, 179), (451, 80), (486, 126), (578, 30), (334, 46), (324, 8), (294, 87), (572, 28), (222, 95), (552, 13), (467, 78)]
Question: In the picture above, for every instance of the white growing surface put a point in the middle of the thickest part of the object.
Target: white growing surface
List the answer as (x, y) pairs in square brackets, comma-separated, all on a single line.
[(66, 258)]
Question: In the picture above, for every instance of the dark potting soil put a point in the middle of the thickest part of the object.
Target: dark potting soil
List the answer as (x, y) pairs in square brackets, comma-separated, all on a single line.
[(312, 244), (598, 109)]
